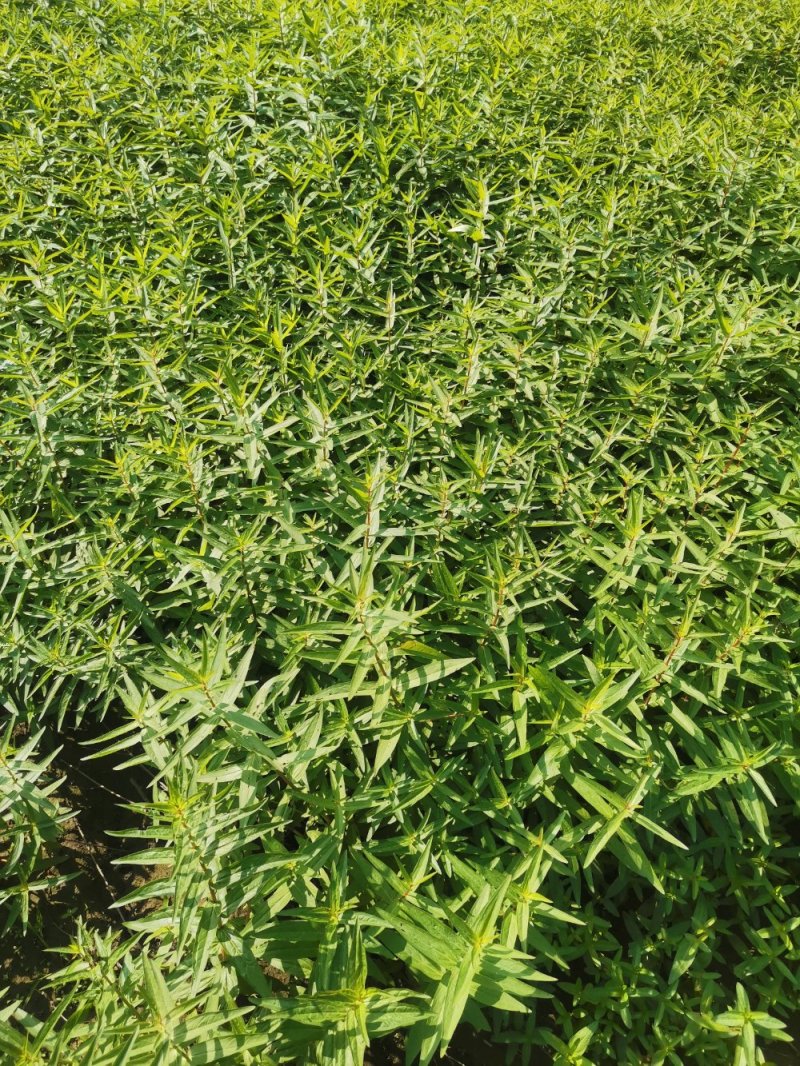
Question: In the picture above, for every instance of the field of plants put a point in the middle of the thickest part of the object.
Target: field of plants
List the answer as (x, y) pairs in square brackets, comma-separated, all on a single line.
[(399, 532)]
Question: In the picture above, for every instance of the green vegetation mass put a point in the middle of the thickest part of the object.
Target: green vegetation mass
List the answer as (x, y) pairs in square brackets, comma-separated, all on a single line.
[(399, 544)]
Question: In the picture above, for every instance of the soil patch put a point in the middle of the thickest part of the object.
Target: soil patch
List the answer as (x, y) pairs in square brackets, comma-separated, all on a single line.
[(96, 793)]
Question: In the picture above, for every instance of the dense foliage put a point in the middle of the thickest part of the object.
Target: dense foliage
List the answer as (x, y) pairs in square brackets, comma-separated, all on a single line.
[(399, 483)]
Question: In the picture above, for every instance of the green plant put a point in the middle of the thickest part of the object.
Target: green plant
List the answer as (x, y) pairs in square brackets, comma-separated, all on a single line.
[(399, 474)]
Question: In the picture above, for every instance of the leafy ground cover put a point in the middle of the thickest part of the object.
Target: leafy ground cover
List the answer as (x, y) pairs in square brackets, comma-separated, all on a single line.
[(399, 473)]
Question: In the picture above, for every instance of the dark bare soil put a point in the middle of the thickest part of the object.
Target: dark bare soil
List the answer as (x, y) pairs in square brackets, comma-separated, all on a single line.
[(85, 853)]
